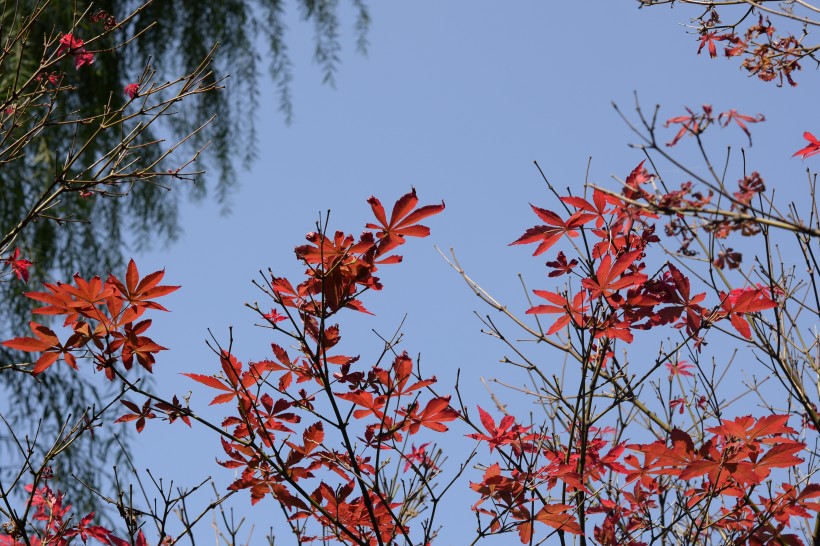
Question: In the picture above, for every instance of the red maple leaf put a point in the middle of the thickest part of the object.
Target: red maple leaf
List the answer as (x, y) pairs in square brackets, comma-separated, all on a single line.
[(396, 382), (139, 415), (19, 266), (500, 488), (559, 516), (793, 503), (418, 456), (342, 264), (614, 328), (141, 540), (312, 438), (46, 342), (233, 384), (639, 176), (665, 460), (708, 39), (680, 367), (741, 120), (369, 403), (693, 124), (561, 266), (683, 302), (747, 430), (737, 47), (812, 149), (435, 413), (87, 296), (141, 292), (404, 221), (140, 346), (608, 280), (556, 228), (507, 431), (600, 200), (742, 301), (569, 311), (84, 530)]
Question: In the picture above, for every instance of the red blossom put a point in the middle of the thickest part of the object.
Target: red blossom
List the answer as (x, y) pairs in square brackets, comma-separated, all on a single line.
[(108, 21), (132, 90), (71, 45)]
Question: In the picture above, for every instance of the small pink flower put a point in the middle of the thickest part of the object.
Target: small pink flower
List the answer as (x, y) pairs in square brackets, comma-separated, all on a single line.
[(53, 78), (83, 58), (132, 90), (69, 44)]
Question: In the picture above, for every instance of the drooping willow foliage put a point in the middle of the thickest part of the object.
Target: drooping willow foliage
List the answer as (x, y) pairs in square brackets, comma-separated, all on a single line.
[(92, 235)]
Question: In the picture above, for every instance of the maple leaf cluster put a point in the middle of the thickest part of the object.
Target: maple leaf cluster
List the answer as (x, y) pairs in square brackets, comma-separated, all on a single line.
[(738, 456), (695, 123), (341, 266), (535, 465), (59, 525), (765, 55), (333, 441), (387, 404), (625, 481), (719, 224), (104, 317), (369, 413), (616, 296)]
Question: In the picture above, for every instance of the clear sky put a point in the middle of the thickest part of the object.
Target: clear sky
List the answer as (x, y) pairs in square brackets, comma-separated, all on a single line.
[(457, 99)]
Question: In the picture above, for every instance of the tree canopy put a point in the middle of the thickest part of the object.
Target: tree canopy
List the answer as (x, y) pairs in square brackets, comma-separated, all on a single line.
[(92, 232)]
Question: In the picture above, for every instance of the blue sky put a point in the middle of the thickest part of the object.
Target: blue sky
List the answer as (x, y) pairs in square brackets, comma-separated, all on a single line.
[(456, 99)]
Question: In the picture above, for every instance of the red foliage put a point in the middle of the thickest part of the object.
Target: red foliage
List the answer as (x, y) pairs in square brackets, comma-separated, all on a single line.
[(19, 266), (810, 150), (312, 430), (103, 318), (54, 523)]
